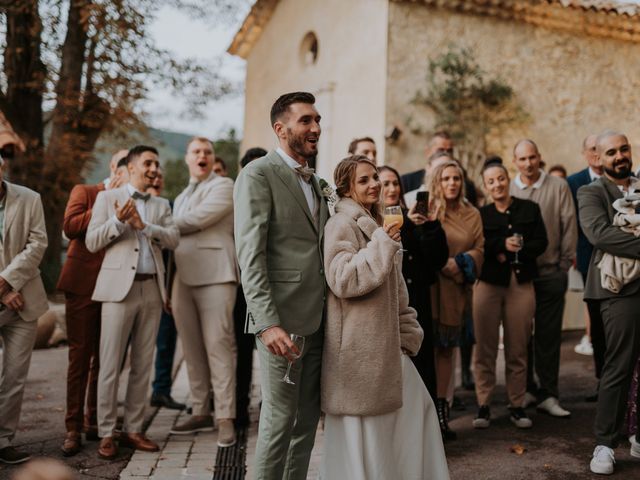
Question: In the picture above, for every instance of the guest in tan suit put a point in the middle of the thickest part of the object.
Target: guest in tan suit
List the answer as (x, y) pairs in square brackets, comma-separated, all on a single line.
[(132, 227), (204, 292), (77, 281), (23, 241)]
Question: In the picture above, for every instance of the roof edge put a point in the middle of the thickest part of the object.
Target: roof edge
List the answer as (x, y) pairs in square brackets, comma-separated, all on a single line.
[(599, 18)]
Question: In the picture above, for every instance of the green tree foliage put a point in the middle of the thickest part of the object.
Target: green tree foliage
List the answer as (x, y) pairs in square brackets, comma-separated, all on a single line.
[(466, 101), (89, 65)]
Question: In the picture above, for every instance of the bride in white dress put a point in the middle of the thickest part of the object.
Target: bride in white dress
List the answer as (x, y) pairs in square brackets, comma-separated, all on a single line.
[(380, 420)]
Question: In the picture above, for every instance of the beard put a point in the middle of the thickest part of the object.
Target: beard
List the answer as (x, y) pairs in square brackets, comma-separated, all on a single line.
[(619, 174), (297, 144)]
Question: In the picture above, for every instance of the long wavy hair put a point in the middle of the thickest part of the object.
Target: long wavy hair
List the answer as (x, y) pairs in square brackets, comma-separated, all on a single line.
[(344, 178), (434, 186)]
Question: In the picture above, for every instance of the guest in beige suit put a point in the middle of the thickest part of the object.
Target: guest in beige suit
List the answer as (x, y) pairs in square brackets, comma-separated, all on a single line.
[(23, 240), (132, 227), (204, 292)]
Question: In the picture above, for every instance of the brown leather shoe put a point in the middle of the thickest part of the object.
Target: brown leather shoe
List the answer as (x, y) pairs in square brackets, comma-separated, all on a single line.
[(138, 441), (107, 448), (72, 444)]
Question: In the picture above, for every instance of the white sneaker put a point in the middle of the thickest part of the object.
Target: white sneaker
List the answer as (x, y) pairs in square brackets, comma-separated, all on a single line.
[(603, 460), (635, 447), (529, 399), (584, 347), (553, 408)]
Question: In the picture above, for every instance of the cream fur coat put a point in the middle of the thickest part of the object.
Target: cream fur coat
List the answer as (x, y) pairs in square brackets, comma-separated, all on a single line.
[(368, 316)]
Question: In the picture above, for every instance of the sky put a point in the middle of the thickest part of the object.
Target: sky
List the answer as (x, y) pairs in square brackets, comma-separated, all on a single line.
[(185, 37)]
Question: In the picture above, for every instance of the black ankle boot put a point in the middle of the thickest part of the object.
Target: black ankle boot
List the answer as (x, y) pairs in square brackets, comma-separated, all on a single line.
[(468, 382), (442, 407)]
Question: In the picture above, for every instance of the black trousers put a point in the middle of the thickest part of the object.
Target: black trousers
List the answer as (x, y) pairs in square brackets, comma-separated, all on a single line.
[(622, 338), (544, 347), (245, 343), (424, 360), (165, 351)]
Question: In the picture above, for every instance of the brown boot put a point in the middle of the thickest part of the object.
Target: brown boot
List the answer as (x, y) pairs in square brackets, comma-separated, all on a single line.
[(107, 449), (72, 444)]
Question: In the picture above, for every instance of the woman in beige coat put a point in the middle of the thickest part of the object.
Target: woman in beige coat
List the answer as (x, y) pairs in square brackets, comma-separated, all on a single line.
[(381, 421), (451, 294)]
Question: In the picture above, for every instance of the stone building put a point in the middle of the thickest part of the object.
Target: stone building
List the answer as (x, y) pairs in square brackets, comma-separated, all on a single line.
[(573, 65)]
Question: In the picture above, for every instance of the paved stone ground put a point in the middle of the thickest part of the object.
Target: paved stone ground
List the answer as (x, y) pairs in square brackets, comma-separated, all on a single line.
[(555, 449)]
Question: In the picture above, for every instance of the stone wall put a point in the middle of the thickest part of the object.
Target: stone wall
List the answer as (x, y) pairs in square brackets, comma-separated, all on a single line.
[(570, 85), (348, 77)]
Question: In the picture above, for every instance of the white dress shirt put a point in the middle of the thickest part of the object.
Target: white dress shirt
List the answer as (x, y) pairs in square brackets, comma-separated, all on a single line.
[(145, 259), (307, 188)]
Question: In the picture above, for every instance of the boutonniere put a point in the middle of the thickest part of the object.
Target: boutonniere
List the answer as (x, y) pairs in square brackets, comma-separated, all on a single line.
[(329, 194)]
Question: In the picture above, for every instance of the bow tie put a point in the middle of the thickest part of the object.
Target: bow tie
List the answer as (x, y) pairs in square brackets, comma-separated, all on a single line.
[(305, 172), (140, 196)]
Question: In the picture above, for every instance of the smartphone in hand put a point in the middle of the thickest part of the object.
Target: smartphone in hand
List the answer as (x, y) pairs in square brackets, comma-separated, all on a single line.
[(422, 203)]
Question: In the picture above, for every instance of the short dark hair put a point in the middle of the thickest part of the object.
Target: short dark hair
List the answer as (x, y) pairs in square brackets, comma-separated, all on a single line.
[(252, 154), (122, 162), (281, 105), (354, 143), (221, 161), (559, 168), (138, 150)]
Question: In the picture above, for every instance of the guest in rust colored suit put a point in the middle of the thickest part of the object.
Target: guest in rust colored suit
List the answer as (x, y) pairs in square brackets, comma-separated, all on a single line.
[(77, 281)]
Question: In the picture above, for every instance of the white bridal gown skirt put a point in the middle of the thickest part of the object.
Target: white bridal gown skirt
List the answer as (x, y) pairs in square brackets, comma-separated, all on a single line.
[(401, 445)]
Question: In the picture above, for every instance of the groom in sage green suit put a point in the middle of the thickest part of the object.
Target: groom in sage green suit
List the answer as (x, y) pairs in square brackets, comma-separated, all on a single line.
[(280, 215)]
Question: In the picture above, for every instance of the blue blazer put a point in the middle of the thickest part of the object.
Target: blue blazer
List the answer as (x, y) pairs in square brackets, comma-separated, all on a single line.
[(584, 248), (412, 181)]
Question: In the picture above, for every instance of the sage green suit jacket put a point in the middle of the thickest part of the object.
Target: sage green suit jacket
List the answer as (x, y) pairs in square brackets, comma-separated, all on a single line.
[(595, 203), (279, 247)]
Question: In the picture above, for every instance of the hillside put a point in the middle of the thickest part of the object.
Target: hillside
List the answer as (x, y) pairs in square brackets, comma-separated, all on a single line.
[(170, 145)]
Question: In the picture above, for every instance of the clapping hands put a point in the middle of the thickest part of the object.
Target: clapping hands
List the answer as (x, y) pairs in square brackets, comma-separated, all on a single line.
[(128, 213)]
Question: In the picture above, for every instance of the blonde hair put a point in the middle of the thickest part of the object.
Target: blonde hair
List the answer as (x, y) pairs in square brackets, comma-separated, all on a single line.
[(344, 178), (434, 186)]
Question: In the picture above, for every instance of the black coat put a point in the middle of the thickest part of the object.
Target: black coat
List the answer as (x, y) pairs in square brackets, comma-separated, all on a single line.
[(524, 217), (426, 253), (584, 248)]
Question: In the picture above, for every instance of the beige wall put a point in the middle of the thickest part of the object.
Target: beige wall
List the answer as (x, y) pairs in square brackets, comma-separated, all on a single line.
[(569, 85), (348, 78)]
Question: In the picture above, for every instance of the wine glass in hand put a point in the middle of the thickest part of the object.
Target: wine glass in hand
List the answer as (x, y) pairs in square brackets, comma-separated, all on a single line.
[(393, 215), (520, 239), (298, 341)]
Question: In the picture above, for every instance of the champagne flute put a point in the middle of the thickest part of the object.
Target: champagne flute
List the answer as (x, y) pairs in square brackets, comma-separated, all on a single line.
[(298, 341), (520, 240)]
